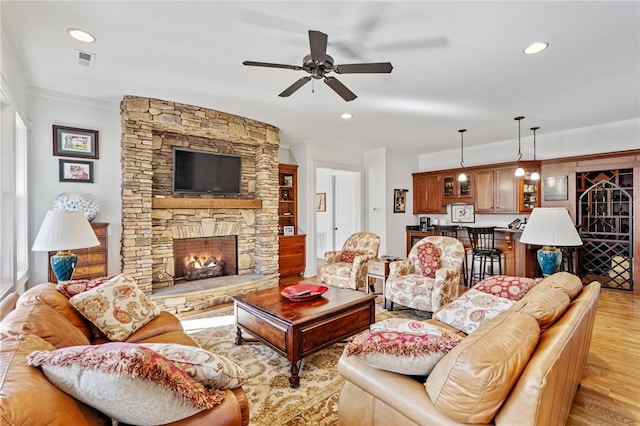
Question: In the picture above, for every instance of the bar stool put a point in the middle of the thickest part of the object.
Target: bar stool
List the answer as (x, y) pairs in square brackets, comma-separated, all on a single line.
[(484, 250), (452, 231)]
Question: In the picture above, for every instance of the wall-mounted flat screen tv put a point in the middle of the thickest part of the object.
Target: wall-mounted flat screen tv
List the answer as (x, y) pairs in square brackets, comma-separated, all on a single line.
[(206, 172)]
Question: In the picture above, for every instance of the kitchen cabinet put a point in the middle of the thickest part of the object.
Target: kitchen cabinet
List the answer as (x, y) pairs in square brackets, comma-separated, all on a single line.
[(496, 190), (427, 196), (454, 191)]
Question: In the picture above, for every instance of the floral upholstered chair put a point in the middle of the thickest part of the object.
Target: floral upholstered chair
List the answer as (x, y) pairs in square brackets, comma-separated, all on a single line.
[(429, 278), (347, 268)]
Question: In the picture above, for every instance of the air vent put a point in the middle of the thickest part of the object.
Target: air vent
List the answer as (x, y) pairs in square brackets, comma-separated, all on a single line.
[(86, 59)]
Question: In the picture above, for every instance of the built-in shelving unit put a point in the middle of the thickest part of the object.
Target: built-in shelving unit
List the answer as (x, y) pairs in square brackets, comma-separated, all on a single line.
[(291, 250)]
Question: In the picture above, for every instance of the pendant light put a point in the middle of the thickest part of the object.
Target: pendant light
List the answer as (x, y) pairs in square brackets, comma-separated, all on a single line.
[(535, 175), (519, 170), (462, 177)]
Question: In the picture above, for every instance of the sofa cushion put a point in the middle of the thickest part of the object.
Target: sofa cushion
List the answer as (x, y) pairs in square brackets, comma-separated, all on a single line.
[(512, 288), (545, 306), (212, 370), (404, 353), (349, 256), (8, 304), (28, 398), (128, 382), (42, 320), (72, 287), (563, 281), (471, 382), (428, 259), (118, 307), (474, 307)]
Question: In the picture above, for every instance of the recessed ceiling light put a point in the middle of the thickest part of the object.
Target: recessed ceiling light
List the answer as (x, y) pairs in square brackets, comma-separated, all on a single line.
[(81, 35), (536, 47), (346, 116)]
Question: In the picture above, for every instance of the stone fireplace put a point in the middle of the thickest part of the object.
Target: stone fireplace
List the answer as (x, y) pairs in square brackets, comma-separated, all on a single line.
[(201, 258), (153, 218)]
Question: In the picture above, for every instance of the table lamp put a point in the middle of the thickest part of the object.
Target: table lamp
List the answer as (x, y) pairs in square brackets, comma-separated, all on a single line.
[(64, 231), (550, 227)]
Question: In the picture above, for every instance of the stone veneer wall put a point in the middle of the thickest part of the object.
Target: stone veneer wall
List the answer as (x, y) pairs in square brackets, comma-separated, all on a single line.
[(150, 128)]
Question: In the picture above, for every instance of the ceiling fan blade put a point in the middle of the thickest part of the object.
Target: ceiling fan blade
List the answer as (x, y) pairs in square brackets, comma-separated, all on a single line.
[(373, 67), (270, 65), (318, 45), (340, 88), (295, 86)]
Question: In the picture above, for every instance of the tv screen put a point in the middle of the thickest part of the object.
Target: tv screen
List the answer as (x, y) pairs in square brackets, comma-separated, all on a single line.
[(206, 172)]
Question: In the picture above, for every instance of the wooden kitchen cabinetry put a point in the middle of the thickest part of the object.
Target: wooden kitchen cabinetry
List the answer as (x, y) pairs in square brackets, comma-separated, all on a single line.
[(92, 261), (454, 191), (291, 248), (427, 196), (496, 191)]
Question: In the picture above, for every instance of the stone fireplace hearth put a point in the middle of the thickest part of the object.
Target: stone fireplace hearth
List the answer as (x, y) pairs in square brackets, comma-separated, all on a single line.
[(153, 217)]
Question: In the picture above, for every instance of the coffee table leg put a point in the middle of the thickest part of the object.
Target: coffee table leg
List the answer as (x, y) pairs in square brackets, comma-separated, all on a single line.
[(238, 335), (294, 379)]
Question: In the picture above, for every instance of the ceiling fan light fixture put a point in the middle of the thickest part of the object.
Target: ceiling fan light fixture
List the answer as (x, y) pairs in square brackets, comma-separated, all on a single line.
[(81, 35), (519, 170), (346, 116), (462, 177), (536, 47)]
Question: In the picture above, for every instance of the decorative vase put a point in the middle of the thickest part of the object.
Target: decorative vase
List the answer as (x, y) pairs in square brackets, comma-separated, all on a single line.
[(77, 202)]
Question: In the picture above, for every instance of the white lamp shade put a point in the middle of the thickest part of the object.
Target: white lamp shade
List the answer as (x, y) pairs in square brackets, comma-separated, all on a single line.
[(65, 230), (550, 226)]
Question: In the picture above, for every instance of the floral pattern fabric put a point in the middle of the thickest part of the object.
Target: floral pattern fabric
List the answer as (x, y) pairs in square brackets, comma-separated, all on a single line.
[(428, 259), (407, 285), (118, 307), (474, 307), (338, 273), (349, 256), (72, 287), (513, 288)]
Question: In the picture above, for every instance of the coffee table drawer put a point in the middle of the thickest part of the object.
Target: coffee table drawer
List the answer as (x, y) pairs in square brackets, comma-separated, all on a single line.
[(272, 333), (336, 328)]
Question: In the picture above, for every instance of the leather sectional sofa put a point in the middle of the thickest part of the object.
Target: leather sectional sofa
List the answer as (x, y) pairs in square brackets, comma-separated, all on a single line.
[(28, 398), (541, 394)]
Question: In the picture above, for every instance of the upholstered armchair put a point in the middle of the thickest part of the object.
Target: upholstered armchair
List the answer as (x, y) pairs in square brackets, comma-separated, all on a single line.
[(347, 268), (429, 278)]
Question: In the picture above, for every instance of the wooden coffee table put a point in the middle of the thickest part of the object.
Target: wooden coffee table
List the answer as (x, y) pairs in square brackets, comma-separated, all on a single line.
[(298, 329)]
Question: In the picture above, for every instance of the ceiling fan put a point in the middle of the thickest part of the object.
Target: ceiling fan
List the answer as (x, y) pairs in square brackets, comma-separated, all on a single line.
[(318, 64)]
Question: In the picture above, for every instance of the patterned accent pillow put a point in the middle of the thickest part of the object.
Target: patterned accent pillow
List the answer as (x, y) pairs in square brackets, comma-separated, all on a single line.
[(429, 259), (73, 287), (210, 369), (126, 381), (403, 353), (513, 288), (402, 325), (474, 307), (348, 256), (118, 307)]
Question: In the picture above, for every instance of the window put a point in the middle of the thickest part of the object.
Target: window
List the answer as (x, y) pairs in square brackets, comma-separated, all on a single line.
[(21, 217)]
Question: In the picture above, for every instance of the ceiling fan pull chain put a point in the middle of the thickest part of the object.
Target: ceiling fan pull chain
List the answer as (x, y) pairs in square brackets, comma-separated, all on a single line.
[(313, 86)]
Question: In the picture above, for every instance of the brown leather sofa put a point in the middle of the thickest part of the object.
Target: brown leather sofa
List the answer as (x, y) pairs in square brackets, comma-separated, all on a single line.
[(28, 398), (542, 395)]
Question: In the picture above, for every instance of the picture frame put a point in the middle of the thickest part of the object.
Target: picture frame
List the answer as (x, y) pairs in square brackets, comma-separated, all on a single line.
[(463, 213), (400, 200), (321, 202), (75, 142), (75, 171), (288, 230), (555, 188)]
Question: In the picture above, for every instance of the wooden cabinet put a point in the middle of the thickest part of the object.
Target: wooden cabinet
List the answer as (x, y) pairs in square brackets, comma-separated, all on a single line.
[(287, 197), (496, 191), (426, 194), (454, 191), (92, 261), (292, 260), (529, 190)]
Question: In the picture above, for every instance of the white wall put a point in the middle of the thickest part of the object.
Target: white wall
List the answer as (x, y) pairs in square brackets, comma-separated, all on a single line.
[(323, 219), (376, 200), (49, 108), (399, 168)]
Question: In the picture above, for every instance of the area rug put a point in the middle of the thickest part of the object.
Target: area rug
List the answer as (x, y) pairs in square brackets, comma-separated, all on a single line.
[(271, 400)]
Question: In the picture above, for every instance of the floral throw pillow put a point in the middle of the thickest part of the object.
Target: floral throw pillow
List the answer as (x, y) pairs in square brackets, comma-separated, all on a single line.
[(513, 288), (474, 307), (72, 287), (403, 353), (128, 382), (403, 325), (118, 307), (212, 370), (348, 256), (429, 259)]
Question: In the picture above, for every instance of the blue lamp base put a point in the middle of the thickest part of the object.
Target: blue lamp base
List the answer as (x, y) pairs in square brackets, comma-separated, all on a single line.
[(63, 264), (549, 259)]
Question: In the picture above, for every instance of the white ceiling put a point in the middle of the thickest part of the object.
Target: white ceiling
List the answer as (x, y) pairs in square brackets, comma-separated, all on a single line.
[(465, 68)]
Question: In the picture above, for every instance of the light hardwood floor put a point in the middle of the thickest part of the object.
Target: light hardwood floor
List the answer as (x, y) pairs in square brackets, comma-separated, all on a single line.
[(609, 394)]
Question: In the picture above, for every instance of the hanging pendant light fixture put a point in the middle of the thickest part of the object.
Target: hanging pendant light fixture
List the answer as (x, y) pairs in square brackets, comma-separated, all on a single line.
[(462, 177), (519, 170), (535, 175)]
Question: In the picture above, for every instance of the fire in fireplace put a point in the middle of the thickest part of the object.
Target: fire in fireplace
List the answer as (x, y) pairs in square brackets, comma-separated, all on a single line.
[(199, 258)]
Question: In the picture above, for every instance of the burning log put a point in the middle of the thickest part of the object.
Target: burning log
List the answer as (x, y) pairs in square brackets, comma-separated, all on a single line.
[(196, 269)]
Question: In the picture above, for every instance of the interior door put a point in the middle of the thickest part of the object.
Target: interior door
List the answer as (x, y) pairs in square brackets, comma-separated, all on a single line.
[(346, 190)]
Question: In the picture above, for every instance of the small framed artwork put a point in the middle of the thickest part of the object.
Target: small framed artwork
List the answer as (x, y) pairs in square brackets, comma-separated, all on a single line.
[(75, 142), (400, 200), (321, 202), (463, 213), (554, 188), (76, 171), (288, 230)]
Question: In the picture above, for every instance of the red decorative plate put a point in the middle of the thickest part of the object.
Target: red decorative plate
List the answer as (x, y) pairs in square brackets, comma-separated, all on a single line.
[(300, 292)]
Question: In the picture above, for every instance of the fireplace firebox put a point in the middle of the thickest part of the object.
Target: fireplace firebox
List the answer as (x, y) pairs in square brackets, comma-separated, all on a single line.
[(208, 257)]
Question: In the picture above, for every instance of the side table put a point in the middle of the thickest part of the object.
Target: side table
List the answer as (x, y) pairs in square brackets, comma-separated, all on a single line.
[(377, 269)]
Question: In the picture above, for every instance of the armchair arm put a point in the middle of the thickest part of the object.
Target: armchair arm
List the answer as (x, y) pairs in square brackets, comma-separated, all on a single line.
[(333, 256), (445, 287), (399, 268), (359, 270)]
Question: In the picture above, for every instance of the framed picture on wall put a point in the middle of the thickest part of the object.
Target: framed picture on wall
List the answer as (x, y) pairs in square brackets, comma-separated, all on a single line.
[(75, 142), (321, 202), (463, 213), (554, 188), (75, 171), (400, 200)]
